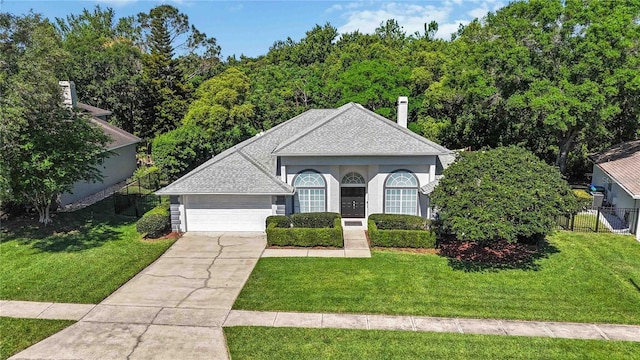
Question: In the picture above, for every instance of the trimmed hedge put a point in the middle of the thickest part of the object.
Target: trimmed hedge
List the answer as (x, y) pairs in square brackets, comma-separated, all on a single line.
[(303, 236), (400, 237), (155, 222), (399, 222), (314, 220), (280, 221)]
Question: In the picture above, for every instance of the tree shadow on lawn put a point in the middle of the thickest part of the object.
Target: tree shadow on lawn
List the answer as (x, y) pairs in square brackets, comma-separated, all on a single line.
[(470, 256), (70, 232)]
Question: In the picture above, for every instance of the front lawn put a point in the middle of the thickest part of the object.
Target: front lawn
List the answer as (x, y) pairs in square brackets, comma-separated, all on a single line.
[(18, 334), (292, 343), (585, 278), (81, 258)]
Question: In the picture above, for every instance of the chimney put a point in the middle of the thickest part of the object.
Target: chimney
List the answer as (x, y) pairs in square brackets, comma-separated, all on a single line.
[(403, 111), (68, 93)]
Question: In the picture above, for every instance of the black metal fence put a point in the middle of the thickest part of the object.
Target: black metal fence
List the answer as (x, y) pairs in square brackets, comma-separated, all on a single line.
[(137, 197), (601, 219)]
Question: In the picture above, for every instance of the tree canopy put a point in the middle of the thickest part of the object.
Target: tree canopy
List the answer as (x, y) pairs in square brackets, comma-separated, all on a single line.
[(505, 193)]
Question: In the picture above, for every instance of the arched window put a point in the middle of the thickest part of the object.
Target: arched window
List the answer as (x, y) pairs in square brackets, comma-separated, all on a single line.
[(353, 178), (401, 193), (311, 190)]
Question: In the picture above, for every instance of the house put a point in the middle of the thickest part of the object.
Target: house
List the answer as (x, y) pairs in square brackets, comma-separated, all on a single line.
[(617, 171), (348, 160), (117, 167)]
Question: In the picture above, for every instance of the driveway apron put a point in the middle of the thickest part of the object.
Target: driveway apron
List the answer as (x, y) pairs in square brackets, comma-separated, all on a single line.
[(174, 309)]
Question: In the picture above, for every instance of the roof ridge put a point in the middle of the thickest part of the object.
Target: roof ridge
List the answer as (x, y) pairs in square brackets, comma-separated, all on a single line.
[(409, 132), (315, 126), (273, 178)]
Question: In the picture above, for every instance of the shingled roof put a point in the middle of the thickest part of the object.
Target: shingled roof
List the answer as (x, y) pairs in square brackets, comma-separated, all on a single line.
[(622, 163), (353, 130), (250, 167)]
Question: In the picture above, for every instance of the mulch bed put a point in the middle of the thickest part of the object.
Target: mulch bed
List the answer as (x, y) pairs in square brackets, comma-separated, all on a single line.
[(174, 235), (500, 252)]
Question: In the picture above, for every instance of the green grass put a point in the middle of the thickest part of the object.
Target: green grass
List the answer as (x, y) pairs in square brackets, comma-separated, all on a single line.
[(586, 278), (587, 222), (18, 334), (293, 343), (81, 258)]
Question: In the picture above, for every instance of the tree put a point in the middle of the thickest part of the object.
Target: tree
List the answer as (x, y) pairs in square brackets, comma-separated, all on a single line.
[(502, 194), (105, 63), (47, 147), (552, 76), (222, 109), (167, 32), (181, 150)]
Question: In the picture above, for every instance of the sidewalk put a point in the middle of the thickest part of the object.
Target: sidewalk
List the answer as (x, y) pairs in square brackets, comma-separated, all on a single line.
[(174, 309), (212, 318), (420, 323)]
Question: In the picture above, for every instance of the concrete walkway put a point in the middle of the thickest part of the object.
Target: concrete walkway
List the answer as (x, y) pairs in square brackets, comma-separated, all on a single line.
[(421, 323), (355, 246), (174, 309)]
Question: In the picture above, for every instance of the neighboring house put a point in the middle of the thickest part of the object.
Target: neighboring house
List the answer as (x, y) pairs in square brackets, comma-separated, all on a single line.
[(617, 170), (116, 168), (348, 160)]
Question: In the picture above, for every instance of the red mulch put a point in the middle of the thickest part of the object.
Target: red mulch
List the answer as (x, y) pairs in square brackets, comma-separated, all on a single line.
[(170, 236), (500, 252)]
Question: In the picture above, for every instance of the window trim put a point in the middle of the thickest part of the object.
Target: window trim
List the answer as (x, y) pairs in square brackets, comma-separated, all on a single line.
[(416, 188), (363, 184), (296, 195)]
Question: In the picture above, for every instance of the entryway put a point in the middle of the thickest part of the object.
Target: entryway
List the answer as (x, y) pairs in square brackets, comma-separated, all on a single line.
[(352, 202)]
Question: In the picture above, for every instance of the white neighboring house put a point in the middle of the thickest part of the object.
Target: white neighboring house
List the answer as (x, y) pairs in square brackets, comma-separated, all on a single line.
[(115, 168), (347, 160), (617, 169)]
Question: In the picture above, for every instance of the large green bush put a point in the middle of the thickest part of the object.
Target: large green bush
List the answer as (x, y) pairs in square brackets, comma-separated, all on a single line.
[(502, 194), (399, 222), (314, 220), (181, 150), (400, 238), (279, 234), (280, 221), (154, 222), (152, 225)]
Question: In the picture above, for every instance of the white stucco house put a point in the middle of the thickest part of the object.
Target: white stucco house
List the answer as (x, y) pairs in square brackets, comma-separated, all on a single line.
[(617, 170), (348, 160), (115, 168)]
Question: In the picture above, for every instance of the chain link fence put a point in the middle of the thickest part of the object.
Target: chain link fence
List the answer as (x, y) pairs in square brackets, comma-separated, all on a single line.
[(137, 197)]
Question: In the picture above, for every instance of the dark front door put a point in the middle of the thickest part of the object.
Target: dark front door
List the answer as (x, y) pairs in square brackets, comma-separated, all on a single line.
[(352, 202)]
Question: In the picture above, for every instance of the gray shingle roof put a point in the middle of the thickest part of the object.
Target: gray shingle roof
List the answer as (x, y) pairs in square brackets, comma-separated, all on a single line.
[(427, 189), (230, 172), (118, 137), (250, 167), (354, 130)]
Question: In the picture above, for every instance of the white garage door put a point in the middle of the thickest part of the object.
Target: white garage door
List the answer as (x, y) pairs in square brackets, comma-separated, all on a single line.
[(226, 212)]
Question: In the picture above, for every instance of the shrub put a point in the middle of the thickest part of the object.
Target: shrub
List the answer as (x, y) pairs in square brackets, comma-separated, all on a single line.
[(280, 221), (153, 225), (314, 220), (306, 237), (400, 238), (399, 222), (585, 200), (501, 194)]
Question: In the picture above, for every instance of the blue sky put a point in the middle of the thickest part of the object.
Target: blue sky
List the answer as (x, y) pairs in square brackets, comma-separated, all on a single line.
[(251, 27)]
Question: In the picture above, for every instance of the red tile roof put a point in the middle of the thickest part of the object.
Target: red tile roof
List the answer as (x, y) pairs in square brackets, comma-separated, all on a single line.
[(622, 163)]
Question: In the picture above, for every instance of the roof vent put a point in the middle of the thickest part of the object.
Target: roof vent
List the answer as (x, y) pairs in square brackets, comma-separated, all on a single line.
[(403, 111)]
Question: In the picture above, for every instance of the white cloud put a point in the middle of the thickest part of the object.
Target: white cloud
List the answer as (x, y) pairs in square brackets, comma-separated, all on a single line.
[(235, 7), (445, 30), (411, 17)]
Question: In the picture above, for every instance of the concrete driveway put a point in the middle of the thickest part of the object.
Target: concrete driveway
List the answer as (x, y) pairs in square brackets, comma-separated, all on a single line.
[(174, 309)]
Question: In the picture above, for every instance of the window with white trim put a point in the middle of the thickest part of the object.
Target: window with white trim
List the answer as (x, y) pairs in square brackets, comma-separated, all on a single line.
[(311, 190), (401, 193)]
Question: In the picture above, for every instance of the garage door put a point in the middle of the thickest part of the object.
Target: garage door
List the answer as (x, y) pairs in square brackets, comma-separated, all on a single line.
[(226, 213)]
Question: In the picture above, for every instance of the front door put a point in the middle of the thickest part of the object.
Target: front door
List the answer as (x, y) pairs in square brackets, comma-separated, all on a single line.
[(352, 202)]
